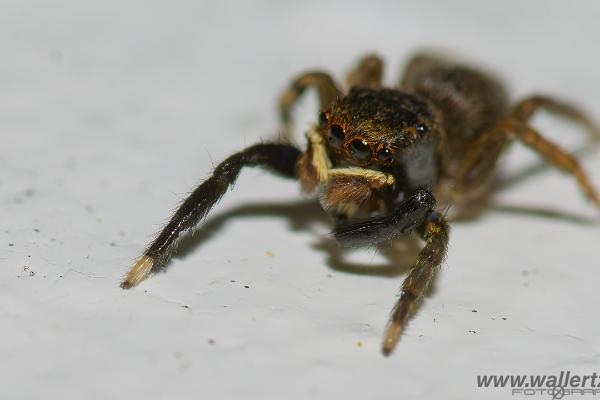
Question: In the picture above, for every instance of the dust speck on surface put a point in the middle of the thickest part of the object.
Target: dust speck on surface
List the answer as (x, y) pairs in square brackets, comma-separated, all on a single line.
[(472, 331), (211, 342), (473, 310), (359, 344), (247, 287), (27, 271), (11, 244)]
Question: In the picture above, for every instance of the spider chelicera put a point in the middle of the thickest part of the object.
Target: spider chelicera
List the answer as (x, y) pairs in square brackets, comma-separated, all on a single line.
[(386, 161)]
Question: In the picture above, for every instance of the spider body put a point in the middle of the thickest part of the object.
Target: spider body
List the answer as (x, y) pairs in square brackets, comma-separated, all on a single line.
[(386, 161)]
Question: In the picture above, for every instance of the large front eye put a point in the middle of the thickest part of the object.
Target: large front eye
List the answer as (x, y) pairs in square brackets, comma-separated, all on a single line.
[(360, 150), (335, 137)]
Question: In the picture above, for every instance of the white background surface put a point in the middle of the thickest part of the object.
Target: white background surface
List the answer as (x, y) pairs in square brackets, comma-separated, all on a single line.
[(111, 111)]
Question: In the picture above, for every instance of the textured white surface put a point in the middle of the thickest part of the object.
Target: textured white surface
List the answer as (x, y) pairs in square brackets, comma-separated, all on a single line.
[(111, 111)]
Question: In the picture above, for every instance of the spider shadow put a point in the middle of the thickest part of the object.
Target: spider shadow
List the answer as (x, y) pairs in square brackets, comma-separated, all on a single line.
[(301, 216)]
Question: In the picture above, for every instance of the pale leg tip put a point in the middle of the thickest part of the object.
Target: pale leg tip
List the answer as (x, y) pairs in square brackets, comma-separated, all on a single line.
[(126, 285), (386, 351), (140, 271), (392, 334)]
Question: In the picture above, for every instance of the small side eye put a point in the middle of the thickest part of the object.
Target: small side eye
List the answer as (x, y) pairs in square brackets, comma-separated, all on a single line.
[(384, 155), (335, 137), (360, 150), (421, 129)]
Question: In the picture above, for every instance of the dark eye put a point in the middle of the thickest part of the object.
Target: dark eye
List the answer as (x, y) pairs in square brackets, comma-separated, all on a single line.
[(335, 137), (384, 155), (360, 150), (421, 129), (322, 120)]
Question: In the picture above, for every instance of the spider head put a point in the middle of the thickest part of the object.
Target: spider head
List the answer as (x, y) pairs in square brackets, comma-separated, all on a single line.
[(376, 127)]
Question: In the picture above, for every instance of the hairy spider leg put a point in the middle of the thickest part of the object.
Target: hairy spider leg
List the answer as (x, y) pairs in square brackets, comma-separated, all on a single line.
[(279, 158), (325, 86), (405, 216), (482, 154), (435, 232), (416, 212), (367, 73), (527, 107)]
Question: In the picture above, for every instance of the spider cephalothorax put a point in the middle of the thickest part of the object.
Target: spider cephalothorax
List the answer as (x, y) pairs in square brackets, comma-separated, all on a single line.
[(377, 156), (376, 127)]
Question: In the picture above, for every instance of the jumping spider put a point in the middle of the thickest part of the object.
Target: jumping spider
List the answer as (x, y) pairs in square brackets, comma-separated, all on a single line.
[(386, 161)]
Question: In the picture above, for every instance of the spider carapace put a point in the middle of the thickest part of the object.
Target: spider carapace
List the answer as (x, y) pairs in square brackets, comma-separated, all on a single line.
[(385, 162)]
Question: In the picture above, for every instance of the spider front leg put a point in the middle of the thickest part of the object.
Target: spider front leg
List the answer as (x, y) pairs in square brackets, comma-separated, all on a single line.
[(414, 213), (279, 158), (435, 232), (405, 216)]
